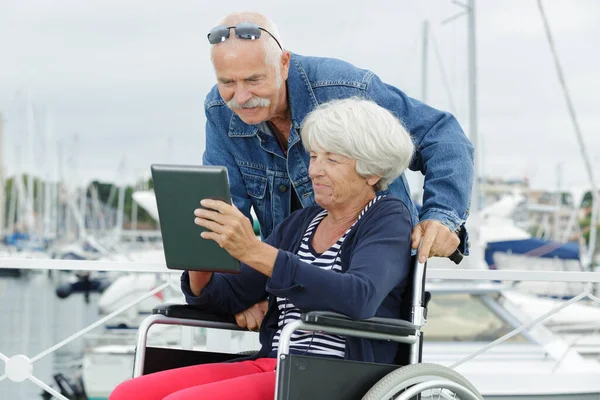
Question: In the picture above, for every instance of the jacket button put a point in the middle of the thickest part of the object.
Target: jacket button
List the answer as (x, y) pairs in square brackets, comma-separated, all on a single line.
[(282, 188)]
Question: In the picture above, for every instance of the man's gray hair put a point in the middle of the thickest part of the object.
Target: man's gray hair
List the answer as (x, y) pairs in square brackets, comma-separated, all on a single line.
[(272, 51), (363, 131)]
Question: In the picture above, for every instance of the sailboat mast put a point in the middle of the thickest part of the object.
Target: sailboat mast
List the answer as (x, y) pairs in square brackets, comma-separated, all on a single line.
[(473, 128), (424, 62), (588, 261), (2, 179)]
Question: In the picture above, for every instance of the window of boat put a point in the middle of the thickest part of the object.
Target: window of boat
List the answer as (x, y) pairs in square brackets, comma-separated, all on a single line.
[(465, 318)]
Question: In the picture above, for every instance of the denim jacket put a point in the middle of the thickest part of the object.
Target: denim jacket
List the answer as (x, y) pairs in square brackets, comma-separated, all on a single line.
[(260, 174)]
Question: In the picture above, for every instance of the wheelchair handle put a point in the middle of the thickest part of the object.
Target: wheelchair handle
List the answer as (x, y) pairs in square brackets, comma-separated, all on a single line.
[(457, 256)]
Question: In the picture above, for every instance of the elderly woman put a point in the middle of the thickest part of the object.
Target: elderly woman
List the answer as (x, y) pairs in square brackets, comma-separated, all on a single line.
[(350, 254)]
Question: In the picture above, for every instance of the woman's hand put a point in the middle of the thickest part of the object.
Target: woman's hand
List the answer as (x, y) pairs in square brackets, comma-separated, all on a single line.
[(228, 227), (232, 231), (253, 316)]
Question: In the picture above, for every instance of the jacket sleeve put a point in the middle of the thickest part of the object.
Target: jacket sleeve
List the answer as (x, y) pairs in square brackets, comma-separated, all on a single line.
[(217, 152), (232, 293), (443, 154), (227, 293), (379, 262)]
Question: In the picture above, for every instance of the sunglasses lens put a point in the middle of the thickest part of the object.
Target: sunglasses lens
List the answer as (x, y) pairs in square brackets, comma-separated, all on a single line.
[(218, 34), (247, 31)]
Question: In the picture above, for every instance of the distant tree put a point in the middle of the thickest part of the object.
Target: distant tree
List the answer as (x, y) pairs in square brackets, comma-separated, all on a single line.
[(103, 189), (8, 188), (585, 227), (587, 200), (566, 199)]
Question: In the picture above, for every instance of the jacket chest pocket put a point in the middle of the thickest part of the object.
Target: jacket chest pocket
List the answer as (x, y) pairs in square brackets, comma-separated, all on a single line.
[(256, 187)]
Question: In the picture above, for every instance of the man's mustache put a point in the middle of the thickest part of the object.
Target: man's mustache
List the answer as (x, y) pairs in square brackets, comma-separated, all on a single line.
[(253, 102)]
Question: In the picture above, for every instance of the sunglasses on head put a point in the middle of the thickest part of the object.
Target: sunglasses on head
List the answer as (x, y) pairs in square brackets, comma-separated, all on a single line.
[(243, 30)]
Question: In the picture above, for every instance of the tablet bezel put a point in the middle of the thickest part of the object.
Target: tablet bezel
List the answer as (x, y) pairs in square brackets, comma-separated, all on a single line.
[(179, 190)]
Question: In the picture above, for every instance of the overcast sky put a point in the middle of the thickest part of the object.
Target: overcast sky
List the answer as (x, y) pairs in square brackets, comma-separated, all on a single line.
[(123, 82)]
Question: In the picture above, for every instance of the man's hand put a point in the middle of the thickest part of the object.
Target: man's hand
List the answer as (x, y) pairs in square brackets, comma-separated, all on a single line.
[(252, 317), (437, 240)]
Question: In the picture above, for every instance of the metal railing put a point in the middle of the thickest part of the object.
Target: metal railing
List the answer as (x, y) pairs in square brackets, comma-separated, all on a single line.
[(19, 367)]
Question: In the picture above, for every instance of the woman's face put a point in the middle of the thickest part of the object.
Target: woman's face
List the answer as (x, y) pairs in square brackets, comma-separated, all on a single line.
[(335, 180)]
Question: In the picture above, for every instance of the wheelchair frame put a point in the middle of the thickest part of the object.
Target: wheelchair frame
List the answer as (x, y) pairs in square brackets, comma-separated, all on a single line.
[(351, 375)]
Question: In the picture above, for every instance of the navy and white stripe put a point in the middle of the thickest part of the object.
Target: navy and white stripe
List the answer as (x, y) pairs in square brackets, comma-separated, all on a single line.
[(315, 342)]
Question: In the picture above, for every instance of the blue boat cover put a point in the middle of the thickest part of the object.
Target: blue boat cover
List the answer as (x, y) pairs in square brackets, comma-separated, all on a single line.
[(533, 247)]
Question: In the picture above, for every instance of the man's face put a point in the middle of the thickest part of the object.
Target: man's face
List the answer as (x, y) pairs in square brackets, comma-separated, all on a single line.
[(249, 86)]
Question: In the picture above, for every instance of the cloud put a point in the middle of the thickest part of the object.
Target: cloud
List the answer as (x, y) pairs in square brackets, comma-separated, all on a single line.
[(130, 77)]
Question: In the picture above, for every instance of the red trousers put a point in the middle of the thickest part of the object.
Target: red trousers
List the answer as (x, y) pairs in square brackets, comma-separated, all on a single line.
[(248, 380)]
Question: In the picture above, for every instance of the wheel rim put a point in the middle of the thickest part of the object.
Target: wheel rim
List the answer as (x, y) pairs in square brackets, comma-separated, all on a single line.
[(430, 394), (428, 389), (430, 381)]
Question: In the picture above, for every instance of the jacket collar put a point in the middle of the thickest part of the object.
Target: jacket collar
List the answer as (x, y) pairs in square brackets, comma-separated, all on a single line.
[(301, 99)]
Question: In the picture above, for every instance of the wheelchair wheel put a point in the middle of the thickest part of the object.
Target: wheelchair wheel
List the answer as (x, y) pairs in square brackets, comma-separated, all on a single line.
[(430, 381)]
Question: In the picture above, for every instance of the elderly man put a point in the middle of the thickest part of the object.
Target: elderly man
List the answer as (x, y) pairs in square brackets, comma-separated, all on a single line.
[(253, 118)]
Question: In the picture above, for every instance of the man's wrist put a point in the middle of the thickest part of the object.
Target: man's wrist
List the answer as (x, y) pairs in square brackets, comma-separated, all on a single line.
[(458, 231), (444, 217)]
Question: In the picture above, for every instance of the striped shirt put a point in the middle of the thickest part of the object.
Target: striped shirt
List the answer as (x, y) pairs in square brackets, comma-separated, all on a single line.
[(317, 343)]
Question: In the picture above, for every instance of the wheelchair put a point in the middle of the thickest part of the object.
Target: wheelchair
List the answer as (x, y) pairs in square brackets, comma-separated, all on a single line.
[(301, 376)]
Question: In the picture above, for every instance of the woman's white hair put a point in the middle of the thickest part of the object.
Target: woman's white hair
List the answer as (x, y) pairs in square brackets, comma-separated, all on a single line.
[(363, 131), (272, 51)]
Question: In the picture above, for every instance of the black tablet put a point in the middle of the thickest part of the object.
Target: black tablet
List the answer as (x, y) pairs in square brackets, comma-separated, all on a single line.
[(179, 190)]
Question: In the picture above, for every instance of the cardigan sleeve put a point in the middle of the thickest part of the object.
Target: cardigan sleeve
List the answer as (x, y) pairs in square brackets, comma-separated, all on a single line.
[(232, 293), (379, 261)]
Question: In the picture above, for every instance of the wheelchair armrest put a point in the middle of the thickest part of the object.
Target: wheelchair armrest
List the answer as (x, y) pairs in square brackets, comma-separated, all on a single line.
[(397, 327), (186, 311)]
